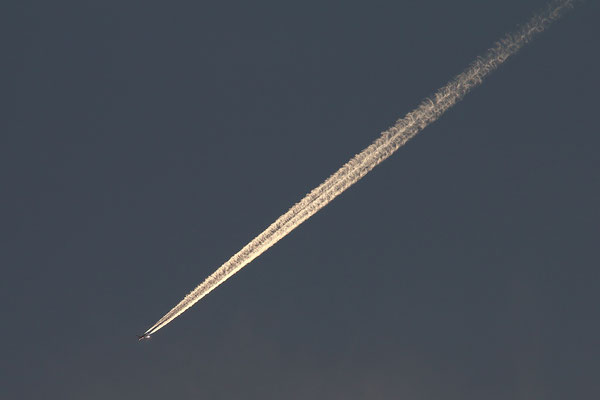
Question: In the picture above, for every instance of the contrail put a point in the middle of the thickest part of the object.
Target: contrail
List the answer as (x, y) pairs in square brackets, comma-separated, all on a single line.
[(383, 147)]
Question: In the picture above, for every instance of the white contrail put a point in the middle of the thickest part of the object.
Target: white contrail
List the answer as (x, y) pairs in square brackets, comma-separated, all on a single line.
[(389, 141)]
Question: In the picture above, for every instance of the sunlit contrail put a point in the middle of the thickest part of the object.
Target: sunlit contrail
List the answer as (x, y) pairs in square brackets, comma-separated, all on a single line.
[(389, 141)]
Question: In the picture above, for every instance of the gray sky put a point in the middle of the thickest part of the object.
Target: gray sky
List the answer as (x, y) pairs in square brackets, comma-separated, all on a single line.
[(144, 143)]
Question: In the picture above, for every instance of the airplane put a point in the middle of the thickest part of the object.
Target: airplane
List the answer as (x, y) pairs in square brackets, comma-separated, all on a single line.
[(143, 337)]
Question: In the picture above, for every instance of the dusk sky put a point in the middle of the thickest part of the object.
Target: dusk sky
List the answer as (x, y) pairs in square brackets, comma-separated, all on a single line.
[(144, 143)]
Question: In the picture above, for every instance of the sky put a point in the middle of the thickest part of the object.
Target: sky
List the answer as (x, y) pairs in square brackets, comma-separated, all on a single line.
[(144, 143)]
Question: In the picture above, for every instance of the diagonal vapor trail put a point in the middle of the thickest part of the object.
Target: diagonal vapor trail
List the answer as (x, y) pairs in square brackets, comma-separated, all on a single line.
[(383, 147)]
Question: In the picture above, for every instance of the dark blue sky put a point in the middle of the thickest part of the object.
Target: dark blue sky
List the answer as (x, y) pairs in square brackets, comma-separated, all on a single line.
[(143, 143)]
